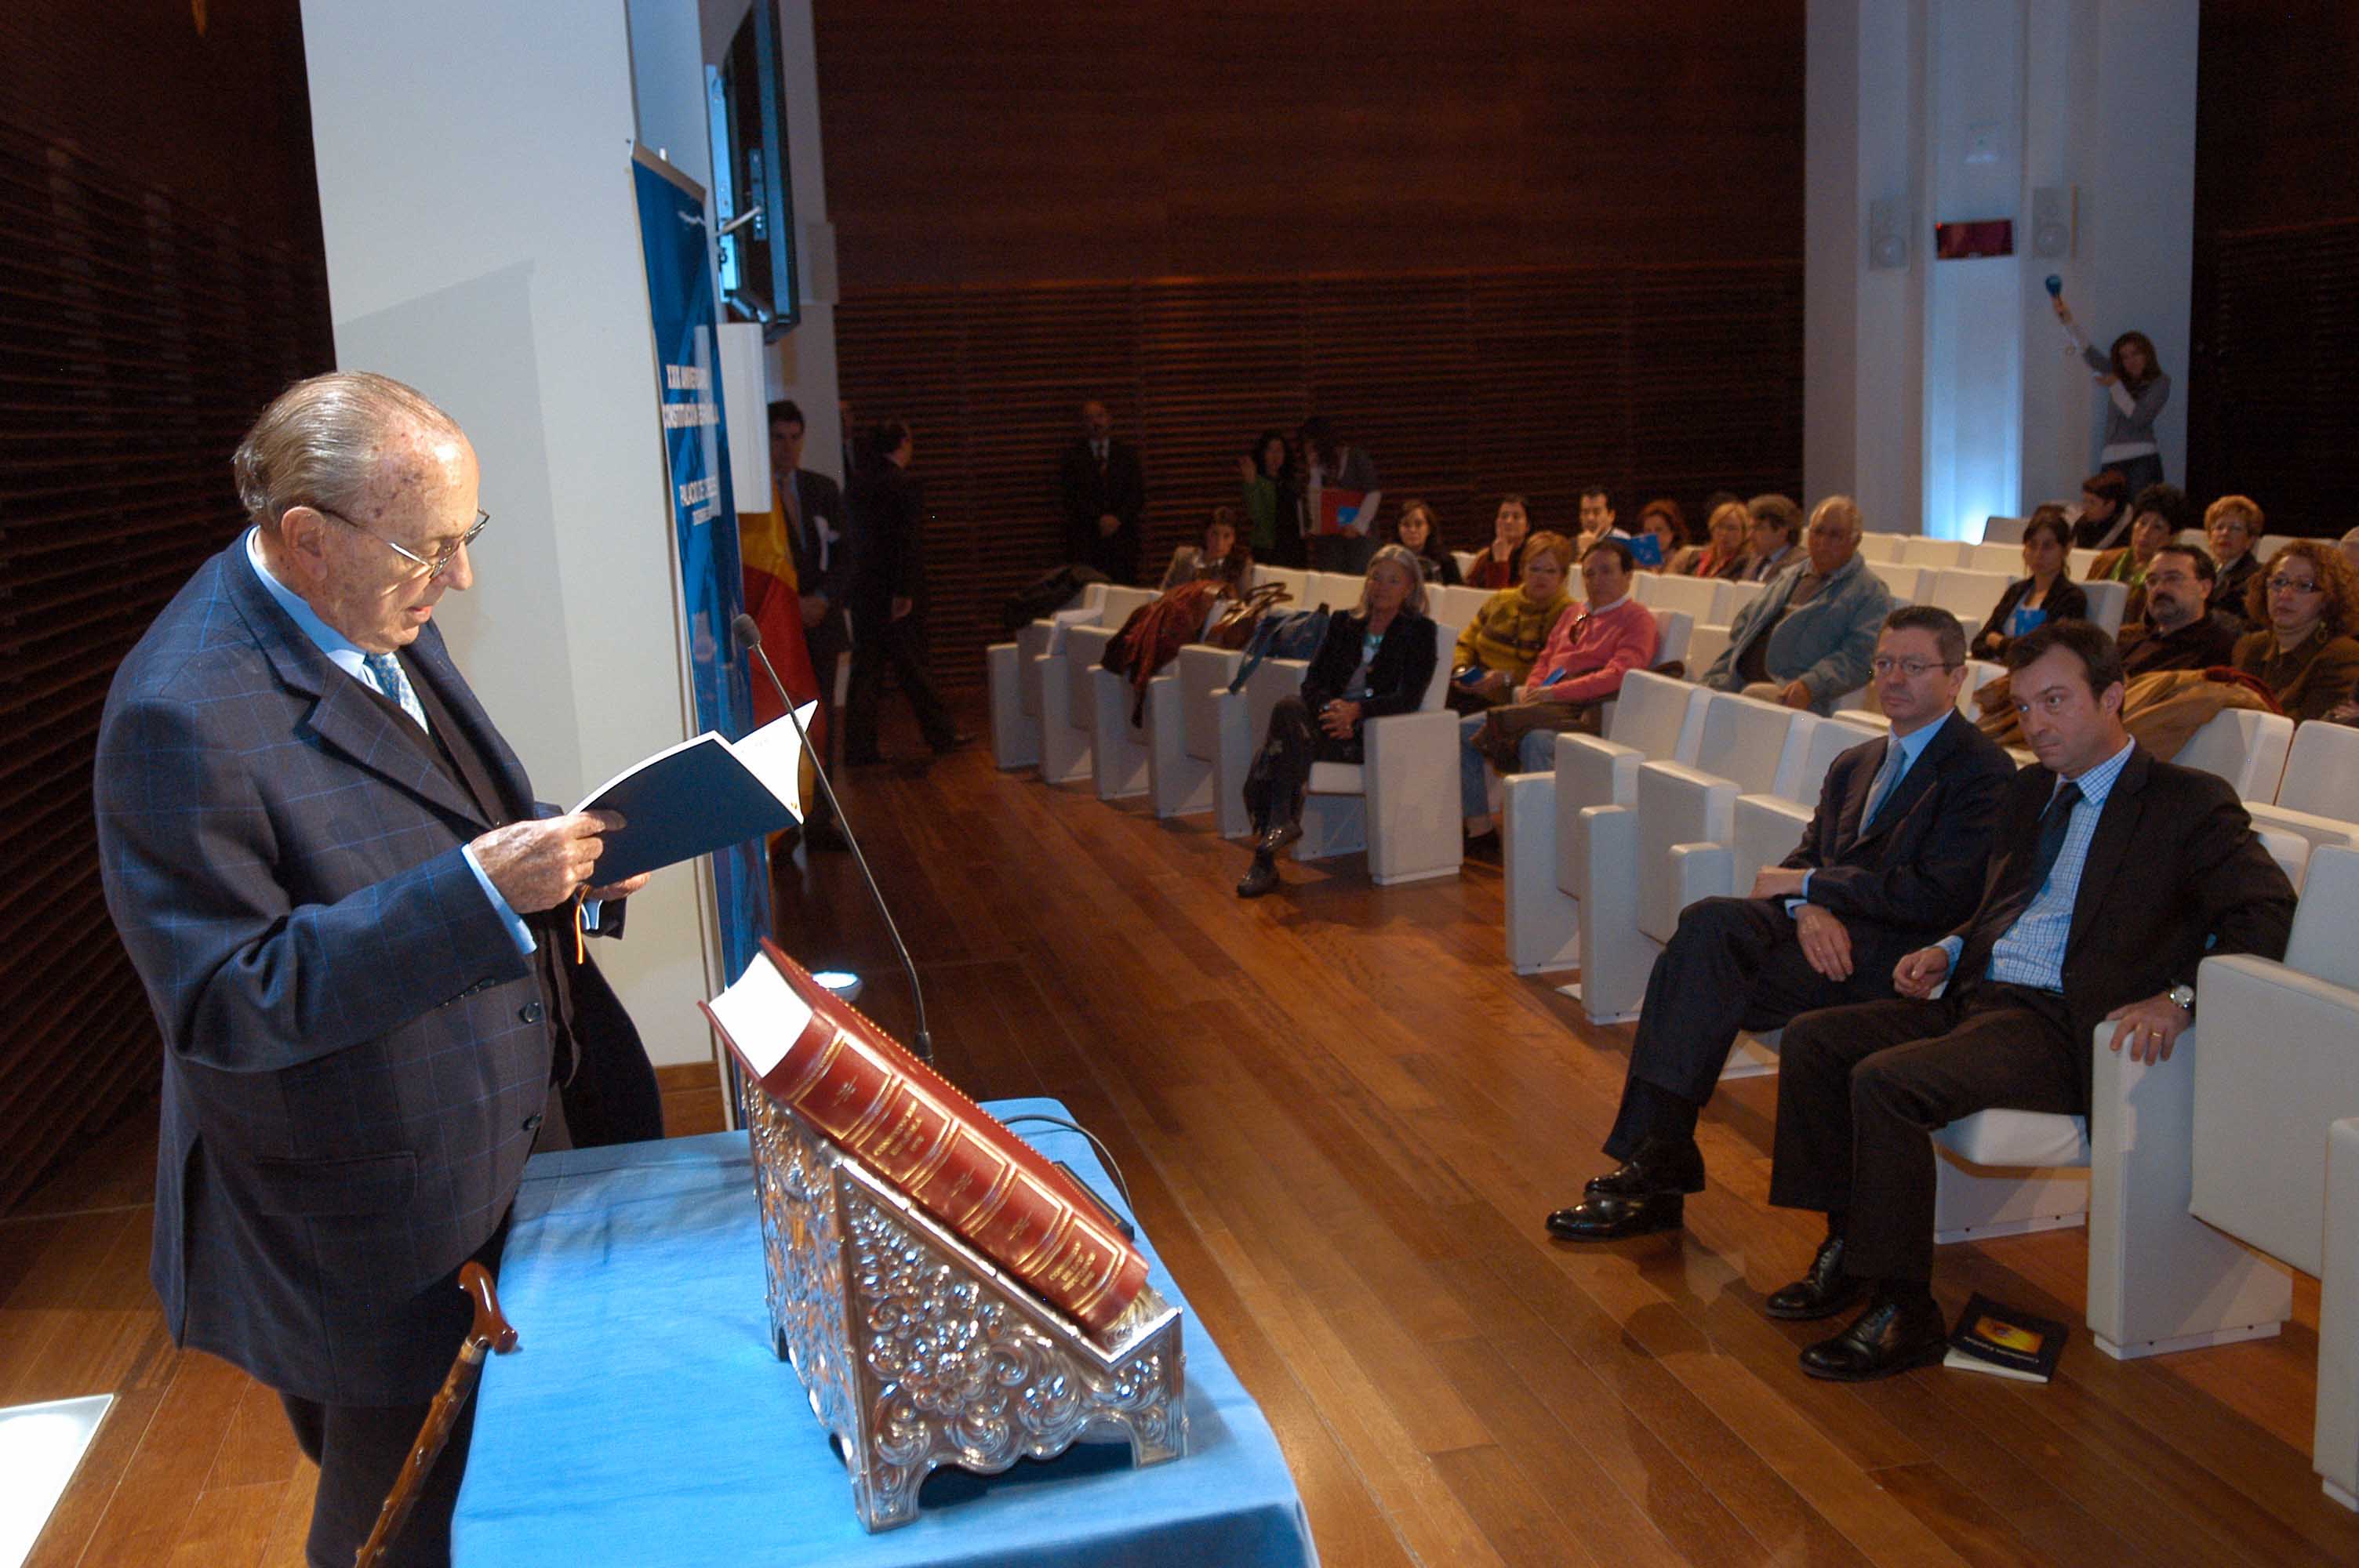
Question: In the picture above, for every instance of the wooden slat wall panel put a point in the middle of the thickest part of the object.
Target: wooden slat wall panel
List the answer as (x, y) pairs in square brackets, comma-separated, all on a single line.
[(2283, 372), (1673, 380), (137, 340)]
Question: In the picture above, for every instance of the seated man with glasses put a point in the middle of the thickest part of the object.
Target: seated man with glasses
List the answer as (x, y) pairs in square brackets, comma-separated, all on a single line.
[(1892, 859), (2178, 629)]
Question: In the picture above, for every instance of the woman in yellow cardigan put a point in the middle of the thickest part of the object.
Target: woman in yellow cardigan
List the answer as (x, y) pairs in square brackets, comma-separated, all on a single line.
[(1498, 647)]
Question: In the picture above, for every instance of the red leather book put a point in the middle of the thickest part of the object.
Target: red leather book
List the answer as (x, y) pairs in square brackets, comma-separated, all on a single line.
[(810, 1049)]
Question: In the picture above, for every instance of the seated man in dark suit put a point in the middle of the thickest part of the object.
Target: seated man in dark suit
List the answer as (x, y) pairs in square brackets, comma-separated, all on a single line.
[(2179, 630), (1893, 857), (2113, 874)]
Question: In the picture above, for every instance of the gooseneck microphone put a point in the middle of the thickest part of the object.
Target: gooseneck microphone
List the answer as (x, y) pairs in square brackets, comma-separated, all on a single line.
[(747, 635)]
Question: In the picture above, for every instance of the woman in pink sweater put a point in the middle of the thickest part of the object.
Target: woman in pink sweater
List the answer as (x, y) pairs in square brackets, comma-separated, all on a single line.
[(1579, 667)]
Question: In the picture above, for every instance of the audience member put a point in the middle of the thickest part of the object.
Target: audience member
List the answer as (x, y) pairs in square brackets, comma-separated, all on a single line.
[(889, 515), (2101, 524), (1664, 520), (1579, 667), (1262, 471), (2178, 629), (2112, 875), (1725, 556), (1220, 557), (1375, 660), (2045, 592), (1418, 532), (2304, 653), (2232, 523), (1330, 461), (2135, 390), (2157, 517), (1808, 640), (1597, 517), (1501, 564), (1892, 857), (1101, 489), (1497, 648), (1775, 537)]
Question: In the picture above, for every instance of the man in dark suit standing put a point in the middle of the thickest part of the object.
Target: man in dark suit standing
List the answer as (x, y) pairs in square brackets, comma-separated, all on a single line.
[(808, 508), (358, 933), (888, 513), (2112, 875), (1102, 488), (1892, 857)]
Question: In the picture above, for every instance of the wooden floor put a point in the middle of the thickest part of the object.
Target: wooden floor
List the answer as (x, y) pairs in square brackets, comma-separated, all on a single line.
[(1342, 1120)]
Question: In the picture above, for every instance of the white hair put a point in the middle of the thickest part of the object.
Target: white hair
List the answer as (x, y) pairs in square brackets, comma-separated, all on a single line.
[(320, 441)]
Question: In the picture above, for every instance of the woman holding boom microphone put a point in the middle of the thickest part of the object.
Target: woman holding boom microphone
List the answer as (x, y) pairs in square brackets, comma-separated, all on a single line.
[(2135, 390)]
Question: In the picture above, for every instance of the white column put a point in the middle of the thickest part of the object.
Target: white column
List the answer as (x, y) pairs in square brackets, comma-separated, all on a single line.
[(1937, 391), (482, 243)]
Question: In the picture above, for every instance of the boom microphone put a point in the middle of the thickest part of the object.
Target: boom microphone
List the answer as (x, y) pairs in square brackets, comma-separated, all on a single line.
[(747, 635)]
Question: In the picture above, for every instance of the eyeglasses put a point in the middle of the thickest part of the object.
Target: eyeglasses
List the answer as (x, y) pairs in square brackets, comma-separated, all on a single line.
[(2291, 584), (1884, 665), (2167, 579), (443, 559)]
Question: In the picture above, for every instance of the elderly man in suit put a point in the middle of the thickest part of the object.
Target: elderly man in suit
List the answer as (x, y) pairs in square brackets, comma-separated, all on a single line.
[(2112, 875), (358, 932), (1892, 857), (1807, 639), (1102, 491)]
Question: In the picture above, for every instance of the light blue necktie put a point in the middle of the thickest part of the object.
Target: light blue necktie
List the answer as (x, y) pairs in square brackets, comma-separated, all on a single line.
[(1887, 779), (393, 681)]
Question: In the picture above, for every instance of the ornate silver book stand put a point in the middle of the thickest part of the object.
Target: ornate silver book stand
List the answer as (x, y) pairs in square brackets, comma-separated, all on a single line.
[(918, 1352)]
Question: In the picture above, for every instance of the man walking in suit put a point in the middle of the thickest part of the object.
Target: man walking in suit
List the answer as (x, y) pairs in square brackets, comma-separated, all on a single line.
[(1102, 490), (1892, 857), (2112, 875), (358, 933), (888, 512), (804, 540)]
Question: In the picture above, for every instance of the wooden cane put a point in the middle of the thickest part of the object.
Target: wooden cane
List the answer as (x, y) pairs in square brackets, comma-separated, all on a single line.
[(490, 1332)]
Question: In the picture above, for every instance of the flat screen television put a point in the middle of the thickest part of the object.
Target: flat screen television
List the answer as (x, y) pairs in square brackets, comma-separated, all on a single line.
[(753, 192)]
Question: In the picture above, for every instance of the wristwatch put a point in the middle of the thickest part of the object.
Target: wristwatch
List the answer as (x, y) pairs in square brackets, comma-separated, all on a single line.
[(2182, 996)]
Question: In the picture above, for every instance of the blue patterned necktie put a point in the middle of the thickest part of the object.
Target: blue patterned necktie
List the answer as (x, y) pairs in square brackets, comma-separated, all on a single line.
[(1887, 779), (392, 681)]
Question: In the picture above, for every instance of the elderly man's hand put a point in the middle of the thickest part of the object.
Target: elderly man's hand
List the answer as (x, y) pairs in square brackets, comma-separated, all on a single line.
[(539, 865), (1916, 975), (1796, 695)]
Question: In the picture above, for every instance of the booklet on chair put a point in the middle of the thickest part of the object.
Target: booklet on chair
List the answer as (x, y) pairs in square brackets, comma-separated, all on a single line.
[(2007, 1342), (700, 796)]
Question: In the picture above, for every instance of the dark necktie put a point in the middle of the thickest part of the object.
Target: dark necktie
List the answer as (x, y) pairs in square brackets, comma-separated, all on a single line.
[(2053, 826)]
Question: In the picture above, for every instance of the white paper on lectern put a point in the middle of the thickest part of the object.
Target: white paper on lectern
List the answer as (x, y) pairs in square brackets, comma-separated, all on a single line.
[(762, 1015)]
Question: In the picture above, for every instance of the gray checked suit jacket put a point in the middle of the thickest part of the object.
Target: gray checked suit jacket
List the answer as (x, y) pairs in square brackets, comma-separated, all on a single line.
[(355, 1053)]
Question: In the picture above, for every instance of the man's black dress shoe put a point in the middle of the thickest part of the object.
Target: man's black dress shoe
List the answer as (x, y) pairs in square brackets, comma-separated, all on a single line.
[(959, 741), (1890, 1336), (1825, 1290), (1653, 1168), (1279, 837), (1260, 877), (1607, 1216)]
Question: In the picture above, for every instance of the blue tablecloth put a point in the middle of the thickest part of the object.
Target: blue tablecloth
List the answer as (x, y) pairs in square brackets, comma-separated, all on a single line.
[(644, 1420)]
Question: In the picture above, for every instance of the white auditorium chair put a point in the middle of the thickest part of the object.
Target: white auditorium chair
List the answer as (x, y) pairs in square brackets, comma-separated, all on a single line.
[(2002, 530), (1980, 672), (1183, 730), (2318, 798), (1294, 580), (1651, 858), (1401, 805), (1693, 595), (1730, 598), (1906, 583), (1965, 593), (2008, 558), (2106, 603), (1882, 547), (1655, 716), (1705, 645), (1457, 605), (2078, 562), (1465, 559), (1068, 702), (2243, 746), (1014, 683), (2269, 544), (1931, 554), (2275, 1149)]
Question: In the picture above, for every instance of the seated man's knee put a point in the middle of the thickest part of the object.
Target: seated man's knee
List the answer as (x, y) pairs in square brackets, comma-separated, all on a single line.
[(1535, 753), (1711, 919)]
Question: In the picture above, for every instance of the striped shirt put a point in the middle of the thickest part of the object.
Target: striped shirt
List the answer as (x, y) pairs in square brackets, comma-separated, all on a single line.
[(2031, 951)]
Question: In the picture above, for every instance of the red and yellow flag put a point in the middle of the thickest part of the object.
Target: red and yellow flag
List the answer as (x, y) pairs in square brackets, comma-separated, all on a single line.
[(774, 601)]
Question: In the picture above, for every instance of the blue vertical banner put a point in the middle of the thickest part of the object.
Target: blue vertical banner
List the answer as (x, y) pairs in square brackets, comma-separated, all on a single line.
[(704, 515)]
